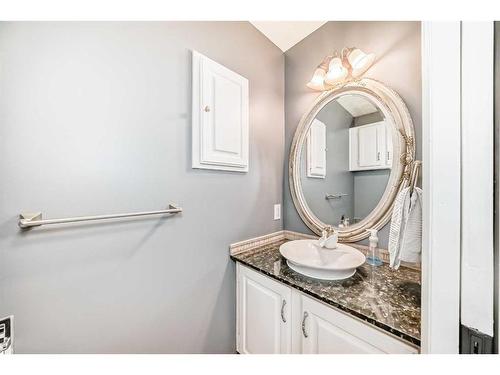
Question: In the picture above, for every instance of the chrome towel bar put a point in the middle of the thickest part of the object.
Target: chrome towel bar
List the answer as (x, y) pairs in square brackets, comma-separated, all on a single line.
[(336, 196), (28, 220)]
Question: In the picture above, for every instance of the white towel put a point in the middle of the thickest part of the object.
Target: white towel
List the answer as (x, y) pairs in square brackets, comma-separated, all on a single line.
[(405, 237)]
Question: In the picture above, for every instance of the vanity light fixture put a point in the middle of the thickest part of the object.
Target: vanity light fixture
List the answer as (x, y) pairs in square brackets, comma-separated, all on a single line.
[(317, 81), (333, 70), (336, 72), (359, 61)]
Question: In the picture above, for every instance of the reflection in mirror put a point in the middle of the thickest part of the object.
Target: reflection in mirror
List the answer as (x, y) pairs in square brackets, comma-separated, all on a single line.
[(346, 160)]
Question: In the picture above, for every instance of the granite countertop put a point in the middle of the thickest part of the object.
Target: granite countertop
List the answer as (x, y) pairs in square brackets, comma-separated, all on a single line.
[(381, 296)]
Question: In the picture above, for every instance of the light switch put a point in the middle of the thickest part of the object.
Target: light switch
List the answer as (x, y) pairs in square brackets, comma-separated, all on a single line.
[(277, 211)]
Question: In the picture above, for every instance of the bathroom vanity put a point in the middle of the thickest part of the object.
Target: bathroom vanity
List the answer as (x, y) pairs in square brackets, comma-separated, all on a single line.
[(352, 154), (281, 311)]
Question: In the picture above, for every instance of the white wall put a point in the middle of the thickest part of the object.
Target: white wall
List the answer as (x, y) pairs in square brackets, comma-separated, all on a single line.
[(95, 119)]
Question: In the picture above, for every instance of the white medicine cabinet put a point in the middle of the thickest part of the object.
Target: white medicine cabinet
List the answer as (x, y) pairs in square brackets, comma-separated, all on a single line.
[(219, 117)]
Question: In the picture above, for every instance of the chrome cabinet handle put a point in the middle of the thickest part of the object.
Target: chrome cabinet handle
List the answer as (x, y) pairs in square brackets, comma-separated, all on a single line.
[(378, 156), (207, 108), (283, 311), (304, 324)]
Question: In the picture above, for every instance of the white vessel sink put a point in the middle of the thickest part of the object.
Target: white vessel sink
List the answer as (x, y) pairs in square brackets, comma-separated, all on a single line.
[(309, 259)]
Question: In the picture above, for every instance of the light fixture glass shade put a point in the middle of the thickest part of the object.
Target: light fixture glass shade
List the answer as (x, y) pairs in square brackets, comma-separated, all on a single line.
[(317, 82), (336, 72), (360, 62)]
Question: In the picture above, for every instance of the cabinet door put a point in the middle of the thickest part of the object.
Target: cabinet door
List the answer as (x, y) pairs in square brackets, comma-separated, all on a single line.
[(328, 331), (369, 146), (219, 117), (353, 149), (263, 314), (388, 146), (316, 150)]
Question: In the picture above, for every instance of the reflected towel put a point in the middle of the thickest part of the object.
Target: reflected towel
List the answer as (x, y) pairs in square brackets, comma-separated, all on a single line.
[(405, 237)]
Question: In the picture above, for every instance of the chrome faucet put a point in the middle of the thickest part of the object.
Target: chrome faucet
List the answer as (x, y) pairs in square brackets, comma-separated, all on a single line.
[(344, 222), (329, 237)]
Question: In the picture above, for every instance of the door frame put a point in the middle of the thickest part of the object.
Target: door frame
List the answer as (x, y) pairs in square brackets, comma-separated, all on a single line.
[(441, 171), (477, 268), (458, 154)]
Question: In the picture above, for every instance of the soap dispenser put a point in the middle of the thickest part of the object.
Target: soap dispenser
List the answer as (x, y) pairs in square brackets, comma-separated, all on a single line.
[(373, 256)]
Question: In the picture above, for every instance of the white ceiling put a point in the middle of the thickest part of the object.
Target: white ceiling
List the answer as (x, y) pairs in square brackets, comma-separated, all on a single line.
[(356, 105), (286, 34)]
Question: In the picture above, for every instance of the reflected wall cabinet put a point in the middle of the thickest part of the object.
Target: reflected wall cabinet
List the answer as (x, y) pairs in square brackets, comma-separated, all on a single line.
[(316, 150), (273, 318), (370, 147), (219, 117)]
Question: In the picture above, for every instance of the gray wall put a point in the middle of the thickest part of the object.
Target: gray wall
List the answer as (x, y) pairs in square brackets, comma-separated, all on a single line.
[(369, 186), (368, 119), (95, 119), (338, 178), (397, 45)]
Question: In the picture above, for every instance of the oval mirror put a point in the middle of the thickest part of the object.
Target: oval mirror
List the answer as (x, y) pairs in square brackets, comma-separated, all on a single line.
[(350, 156)]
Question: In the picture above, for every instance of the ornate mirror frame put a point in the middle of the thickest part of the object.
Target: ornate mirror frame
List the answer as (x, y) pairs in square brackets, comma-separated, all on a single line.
[(394, 109)]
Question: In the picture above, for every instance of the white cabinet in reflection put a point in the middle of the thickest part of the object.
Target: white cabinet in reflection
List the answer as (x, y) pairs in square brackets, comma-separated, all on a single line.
[(316, 150), (388, 150), (370, 147)]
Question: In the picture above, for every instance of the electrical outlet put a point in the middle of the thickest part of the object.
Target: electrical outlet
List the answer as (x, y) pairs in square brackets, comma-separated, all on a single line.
[(6, 335), (277, 211)]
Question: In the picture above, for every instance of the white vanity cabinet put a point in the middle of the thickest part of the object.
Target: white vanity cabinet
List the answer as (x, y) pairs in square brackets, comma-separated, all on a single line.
[(263, 314), (370, 147), (325, 330), (274, 318)]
